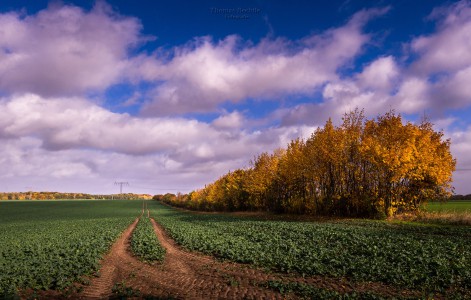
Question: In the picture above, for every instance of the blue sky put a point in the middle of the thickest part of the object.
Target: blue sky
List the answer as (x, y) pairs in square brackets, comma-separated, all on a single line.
[(169, 95)]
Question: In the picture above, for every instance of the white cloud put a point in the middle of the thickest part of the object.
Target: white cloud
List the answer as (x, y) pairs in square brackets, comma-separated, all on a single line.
[(381, 74), (64, 50), (435, 81), (444, 59), (203, 74), (62, 144), (26, 164), (453, 91), (234, 120), (68, 124), (371, 90), (54, 137), (460, 148), (413, 96), (447, 49), (24, 157), (64, 123)]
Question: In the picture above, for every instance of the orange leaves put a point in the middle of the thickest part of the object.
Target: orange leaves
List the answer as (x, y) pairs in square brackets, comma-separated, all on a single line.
[(409, 160), (362, 167)]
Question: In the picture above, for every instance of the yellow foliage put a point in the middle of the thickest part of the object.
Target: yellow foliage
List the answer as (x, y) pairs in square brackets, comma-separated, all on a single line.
[(362, 167)]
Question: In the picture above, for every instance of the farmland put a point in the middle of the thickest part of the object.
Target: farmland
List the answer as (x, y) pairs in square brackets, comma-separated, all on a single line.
[(50, 245), (428, 258), (462, 206), (144, 242)]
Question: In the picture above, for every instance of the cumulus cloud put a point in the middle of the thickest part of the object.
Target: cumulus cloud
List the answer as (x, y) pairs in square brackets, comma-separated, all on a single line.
[(203, 74), (435, 81), (446, 50), (381, 74), (461, 147), (64, 123), (454, 91), (444, 59), (20, 158), (234, 120), (59, 144), (64, 50), (50, 60), (67, 124), (437, 78), (26, 163), (371, 89), (413, 95)]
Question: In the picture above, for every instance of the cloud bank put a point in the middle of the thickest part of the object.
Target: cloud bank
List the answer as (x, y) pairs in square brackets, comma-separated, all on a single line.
[(53, 130)]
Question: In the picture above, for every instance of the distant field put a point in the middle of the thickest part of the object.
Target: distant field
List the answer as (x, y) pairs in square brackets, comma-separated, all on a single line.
[(463, 206), (50, 245)]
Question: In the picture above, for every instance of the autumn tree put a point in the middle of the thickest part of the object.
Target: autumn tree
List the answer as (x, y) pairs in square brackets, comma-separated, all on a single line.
[(261, 178), (291, 180), (408, 164), (360, 168)]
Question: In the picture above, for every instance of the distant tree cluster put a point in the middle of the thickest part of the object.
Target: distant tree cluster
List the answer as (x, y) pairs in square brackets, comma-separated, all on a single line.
[(363, 167), (460, 197), (67, 196), (179, 199)]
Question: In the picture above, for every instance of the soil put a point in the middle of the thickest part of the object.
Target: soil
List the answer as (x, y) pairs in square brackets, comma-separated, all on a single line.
[(182, 275), (189, 275)]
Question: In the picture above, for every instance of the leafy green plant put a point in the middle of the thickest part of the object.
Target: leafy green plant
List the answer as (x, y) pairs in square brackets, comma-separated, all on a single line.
[(425, 258), (50, 245), (122, 291), (312, 292), (144, 242)]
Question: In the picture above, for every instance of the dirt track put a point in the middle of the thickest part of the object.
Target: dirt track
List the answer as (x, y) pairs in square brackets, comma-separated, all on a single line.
[(100, 287), (189, 275), (182, 275)]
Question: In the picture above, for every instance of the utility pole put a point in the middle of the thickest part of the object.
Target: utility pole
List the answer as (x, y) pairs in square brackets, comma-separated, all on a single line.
[(121, 183)]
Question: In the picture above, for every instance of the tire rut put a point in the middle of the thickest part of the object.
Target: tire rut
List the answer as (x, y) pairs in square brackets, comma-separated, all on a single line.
[(182, 275), (100, 287), (190, 275)]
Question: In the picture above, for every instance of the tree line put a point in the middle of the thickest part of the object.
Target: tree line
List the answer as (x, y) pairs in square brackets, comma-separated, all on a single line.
[(375, 167), (30, 195), (460, 197)]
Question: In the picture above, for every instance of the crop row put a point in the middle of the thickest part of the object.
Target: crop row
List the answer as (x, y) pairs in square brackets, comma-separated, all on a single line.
[(144, 242), (52, 245), (429, 258)]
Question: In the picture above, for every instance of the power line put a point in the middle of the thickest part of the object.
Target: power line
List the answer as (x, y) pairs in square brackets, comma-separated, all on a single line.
[(121, 183)]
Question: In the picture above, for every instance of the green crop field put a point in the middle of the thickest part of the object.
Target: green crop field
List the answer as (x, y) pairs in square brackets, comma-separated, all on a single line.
[(428, 258), (144, 242), (462, 206), (51, 244)]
